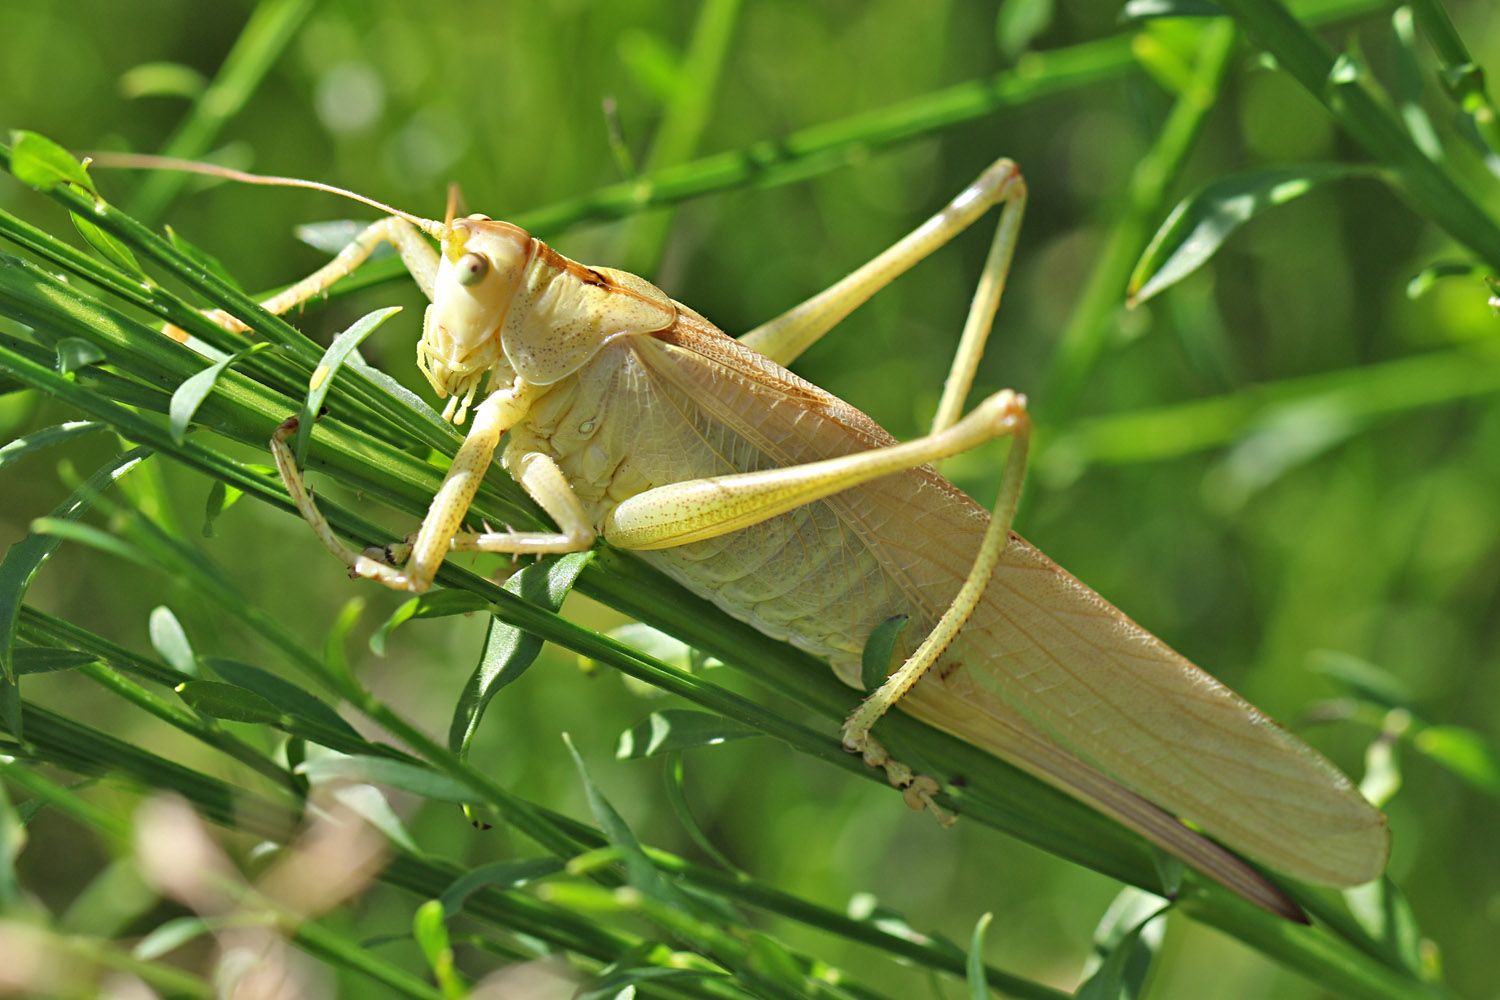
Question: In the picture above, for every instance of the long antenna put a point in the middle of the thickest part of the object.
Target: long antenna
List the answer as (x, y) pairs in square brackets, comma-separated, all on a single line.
[(146, 161)]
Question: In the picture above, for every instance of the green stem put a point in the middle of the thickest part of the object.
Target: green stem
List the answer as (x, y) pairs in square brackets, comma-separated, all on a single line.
[(1338, 86), (1084, 339), (272, 25)]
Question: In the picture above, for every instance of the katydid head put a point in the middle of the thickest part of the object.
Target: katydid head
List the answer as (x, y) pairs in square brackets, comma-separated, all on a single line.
[(506, 305), (481, 267)]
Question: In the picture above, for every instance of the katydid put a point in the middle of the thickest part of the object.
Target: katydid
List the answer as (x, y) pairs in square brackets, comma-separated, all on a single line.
[(634, 420)]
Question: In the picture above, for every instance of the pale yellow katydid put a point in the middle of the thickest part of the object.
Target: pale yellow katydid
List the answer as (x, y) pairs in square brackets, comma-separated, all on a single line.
[(634, 420)]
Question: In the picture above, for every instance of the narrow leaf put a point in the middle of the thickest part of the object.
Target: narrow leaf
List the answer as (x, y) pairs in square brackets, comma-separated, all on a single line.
[(979, 987), (639, 871), (19, 567), (1382, 910), (1362, 678), (338, 637), (383, 771), (370, 804), (1123, 947), (499, 875), (679, 729), (63, 529), (286, 696), (46, 437), (228, 702), (677, 799), (508, 651), (39, 162), (333, 359), (433, 604), (12, 840), (195, 389), (333, 235), (431, 935), (169, 640), (161, 79), (74, 353), (203, 259), (1464, 752), (170, 936), (659, 645), (1142, 10), (49, 659), (1423, 281), (1201, 223), (108, 247), (221, 496), (1019, 23), (875, 661)]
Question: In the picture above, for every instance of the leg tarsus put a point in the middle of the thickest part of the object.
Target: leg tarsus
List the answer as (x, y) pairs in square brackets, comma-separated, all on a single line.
[(918, 791)]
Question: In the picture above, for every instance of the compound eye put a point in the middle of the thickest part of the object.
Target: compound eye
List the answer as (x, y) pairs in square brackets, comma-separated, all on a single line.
[(471, 269)]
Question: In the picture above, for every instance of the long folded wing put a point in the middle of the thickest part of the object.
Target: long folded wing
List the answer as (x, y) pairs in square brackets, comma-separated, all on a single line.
[(1047, 674)]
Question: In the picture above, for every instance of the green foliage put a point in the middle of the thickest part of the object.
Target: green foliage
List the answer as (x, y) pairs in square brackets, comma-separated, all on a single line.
[(1279, 461)]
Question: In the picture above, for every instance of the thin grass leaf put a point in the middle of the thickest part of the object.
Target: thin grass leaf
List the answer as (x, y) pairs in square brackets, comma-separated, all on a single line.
[(1464, 752), (271, 26), (328, 367), (195, 389), (221, 497), (161, 79), (639, 871), (333, 235), (12, 841), (1363, 678), (370, 804), (1200, 223), (1382, 778), (39, 162), (1408, 85), (674, 729), (74, 353), (875, 659), (1144, 10), (199, 256), (509, 651), (169, 936), (498, 875), (433, 604), (47, 659), (974, 967), (95, 538), (677, 799), (1381, 908), (1423, 281), (170, 640), (1125, 943), (25, 558), (20, 447), (282, 693), (1019, 23), (108, 247), (431, 934), (338, 636), (382, 771), (228, 702), (661, 646), (620, 983)]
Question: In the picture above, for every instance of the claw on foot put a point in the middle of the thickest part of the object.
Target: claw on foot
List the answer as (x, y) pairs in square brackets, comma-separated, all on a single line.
[(918, 791)]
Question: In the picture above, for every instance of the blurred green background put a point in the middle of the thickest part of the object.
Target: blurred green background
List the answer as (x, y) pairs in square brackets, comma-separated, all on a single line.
[(1347, 513)]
